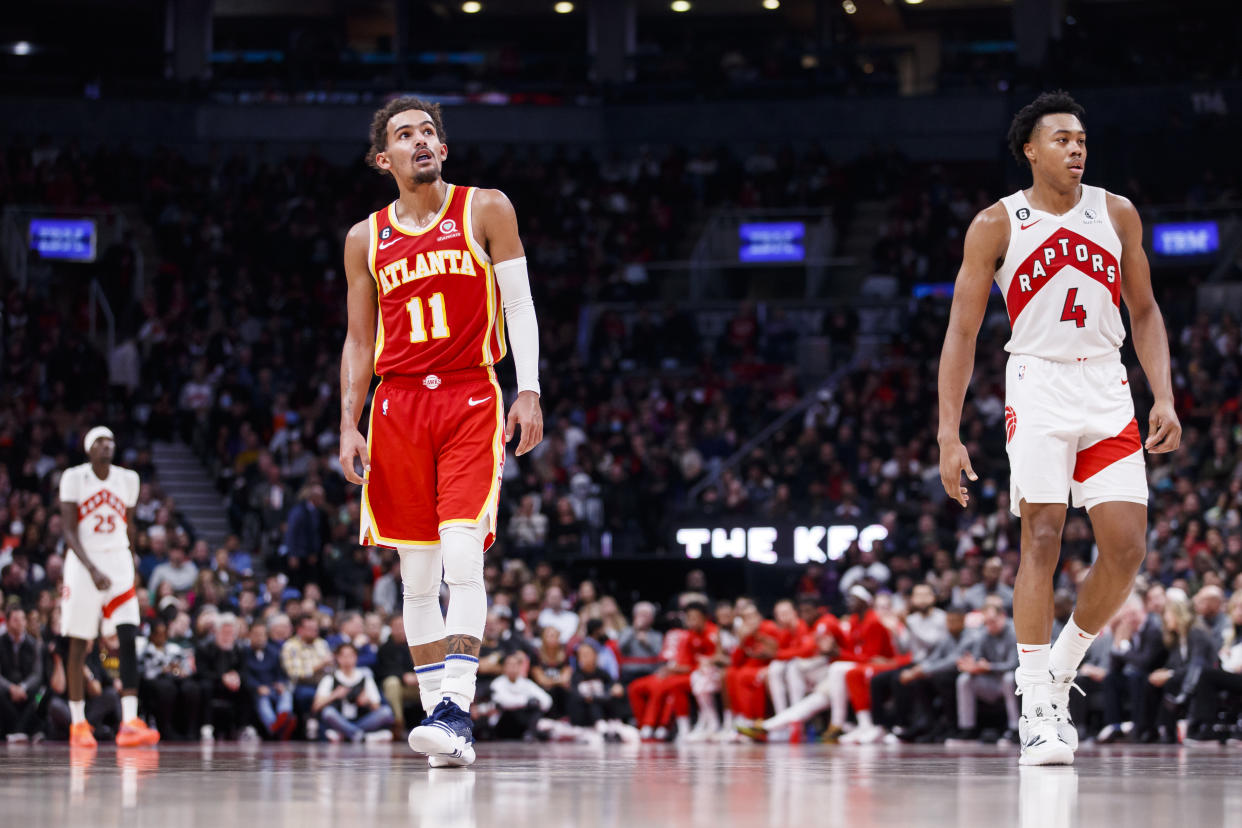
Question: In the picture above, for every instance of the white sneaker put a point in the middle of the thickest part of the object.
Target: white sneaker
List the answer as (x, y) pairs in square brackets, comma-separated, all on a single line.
[(378, 736), (863, 735), (312, 730), (207, 733), (440, 743), (1062, 683), (1041, 744), (248, 734)]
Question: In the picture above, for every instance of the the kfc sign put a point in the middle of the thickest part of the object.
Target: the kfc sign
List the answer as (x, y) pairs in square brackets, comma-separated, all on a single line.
[(797, 545)]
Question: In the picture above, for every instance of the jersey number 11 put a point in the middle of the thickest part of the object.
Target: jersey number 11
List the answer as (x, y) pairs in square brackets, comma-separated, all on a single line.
[(439, 320)]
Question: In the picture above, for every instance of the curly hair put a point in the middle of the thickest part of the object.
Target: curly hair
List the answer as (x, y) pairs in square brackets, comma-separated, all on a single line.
[(379, 123), (1024, 123)]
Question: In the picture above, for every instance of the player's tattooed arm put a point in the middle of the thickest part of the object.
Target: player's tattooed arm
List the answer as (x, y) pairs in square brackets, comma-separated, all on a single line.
[(69, 524), (358, 354), (462, 645)]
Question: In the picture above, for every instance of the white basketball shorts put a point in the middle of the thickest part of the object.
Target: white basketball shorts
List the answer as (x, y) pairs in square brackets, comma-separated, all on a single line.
[(82, 605), (1070, 429)]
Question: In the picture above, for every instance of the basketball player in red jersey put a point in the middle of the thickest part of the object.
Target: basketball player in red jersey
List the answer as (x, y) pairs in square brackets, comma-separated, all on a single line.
[(428, 276), (1064, 255)]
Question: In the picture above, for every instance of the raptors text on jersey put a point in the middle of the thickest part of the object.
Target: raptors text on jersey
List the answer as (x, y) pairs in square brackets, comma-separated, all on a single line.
[(102, 505), (1061, 279), (438, 300)]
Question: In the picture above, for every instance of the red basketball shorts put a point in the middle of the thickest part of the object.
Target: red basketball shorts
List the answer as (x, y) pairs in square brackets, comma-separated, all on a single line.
[(437, 452)]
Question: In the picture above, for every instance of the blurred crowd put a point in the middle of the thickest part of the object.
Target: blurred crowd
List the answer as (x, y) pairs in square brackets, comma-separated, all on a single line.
[(259, 659), (233, 347)]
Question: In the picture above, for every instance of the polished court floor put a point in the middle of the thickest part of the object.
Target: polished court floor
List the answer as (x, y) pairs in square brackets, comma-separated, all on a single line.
[(706, 786)]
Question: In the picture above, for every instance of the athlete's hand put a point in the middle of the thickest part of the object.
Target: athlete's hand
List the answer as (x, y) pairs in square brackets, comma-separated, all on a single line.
[(353, 444), (1164, 430), (525, 412), (953, 461), (102, 581)]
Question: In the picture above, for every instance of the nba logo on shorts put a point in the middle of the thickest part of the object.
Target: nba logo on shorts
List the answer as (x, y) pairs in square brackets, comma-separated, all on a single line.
[(1011, 422), (385, 411), (1022, 371), (431, 381)]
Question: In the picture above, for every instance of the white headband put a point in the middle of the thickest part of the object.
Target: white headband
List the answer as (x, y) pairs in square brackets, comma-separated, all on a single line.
[(94, 434)]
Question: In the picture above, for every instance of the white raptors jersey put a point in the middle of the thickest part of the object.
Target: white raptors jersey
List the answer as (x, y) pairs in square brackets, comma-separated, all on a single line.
[(1061, 280), (101, 505)]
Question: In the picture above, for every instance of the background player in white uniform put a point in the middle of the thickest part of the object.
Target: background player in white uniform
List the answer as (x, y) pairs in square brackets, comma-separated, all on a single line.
[(1063, 255), (96, 505)]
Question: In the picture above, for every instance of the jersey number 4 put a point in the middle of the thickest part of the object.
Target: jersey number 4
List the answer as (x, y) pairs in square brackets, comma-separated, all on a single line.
[(439, 320), (1074, 313)]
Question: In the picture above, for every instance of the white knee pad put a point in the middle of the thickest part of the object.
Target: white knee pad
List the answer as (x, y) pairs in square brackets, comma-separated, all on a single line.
[(422, 568), (463, 572)]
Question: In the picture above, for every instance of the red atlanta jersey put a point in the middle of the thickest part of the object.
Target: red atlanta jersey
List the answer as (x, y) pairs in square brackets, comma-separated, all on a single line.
[(1061, 280), (438, 300)]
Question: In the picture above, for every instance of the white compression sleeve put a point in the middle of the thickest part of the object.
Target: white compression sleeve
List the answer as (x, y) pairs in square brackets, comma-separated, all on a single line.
[(422, 568), (514, 283)]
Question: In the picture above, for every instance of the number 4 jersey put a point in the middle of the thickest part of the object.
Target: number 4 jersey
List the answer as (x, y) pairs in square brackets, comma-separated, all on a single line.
[(1069, 418), (1061, 280), (439, 307)]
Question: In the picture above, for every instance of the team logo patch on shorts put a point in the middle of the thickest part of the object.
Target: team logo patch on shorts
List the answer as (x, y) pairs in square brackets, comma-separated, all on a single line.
[(431, 381), (1011, 423)]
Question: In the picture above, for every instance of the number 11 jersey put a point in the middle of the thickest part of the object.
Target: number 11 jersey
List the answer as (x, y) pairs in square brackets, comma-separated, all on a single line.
[(439, 307), (1061, 279)]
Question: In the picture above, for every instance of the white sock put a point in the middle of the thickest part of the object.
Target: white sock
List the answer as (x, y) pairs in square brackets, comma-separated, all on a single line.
[(1032, 665), (77, 711), (1071, 646), (460, 673), (129, 708), (429, 680), (728, 720), (646, 731), (683, 724), (864, 718)]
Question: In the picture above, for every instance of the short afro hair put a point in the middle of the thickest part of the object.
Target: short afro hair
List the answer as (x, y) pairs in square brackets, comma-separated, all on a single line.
[(1024, 123), (379, 123)]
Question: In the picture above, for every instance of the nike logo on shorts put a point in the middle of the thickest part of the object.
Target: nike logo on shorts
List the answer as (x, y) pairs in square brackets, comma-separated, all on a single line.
[(1125, 382), (388, 243), (473, 401)]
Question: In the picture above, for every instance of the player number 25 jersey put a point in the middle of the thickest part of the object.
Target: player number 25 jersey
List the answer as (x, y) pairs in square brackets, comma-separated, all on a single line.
[(102, 505), (1061, 280), (438, 299)]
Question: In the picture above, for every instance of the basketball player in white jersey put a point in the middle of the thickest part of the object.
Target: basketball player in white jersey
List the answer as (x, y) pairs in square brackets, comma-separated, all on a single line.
[(1064, 255), (96, 506)]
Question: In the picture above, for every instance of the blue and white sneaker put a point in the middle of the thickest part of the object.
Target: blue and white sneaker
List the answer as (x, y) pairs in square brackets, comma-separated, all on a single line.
[(447, 734)]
